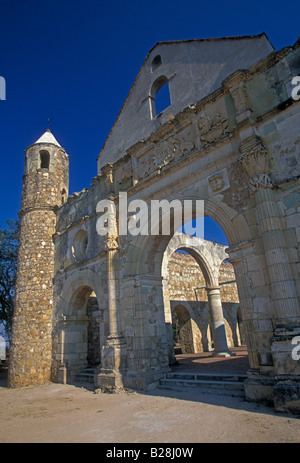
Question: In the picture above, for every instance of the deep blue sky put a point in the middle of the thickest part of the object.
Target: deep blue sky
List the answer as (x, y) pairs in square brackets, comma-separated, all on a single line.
[(75, 61)]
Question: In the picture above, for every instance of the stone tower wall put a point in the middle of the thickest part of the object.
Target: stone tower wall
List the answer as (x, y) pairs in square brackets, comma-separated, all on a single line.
[(31, 347)]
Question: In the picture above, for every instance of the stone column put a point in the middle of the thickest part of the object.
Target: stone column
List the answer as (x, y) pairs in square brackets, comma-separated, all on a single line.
[(168, 320), (113, 355), (282, 291), (270, 225), (98, 316), (217, 322), (60, 373)]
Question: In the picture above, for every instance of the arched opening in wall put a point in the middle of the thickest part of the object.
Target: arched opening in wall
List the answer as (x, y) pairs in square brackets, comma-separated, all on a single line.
[(44, 159), (159, 96), (156, 62), (230, 303), (186, 333), (201, 277), (188, 307), (83, 332), (240, 327), (63, 196), (93, 331), (79, 245)]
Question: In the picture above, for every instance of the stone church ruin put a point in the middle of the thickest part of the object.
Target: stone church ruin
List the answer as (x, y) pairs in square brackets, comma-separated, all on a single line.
[(229, 136)]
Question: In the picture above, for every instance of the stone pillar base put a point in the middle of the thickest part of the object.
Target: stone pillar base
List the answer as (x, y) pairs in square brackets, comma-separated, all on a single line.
[(112, 371), (286, 395), (61, 375), (109, 380), (223, 354), (286, 356), (259, 388)]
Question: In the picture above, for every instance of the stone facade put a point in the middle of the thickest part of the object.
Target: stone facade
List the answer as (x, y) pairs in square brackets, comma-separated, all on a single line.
[(230, 138)]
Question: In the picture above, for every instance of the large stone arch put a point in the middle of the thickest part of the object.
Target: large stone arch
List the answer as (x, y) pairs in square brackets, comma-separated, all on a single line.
[(209, 256), (73, 283), (231, 222), (145, 255)]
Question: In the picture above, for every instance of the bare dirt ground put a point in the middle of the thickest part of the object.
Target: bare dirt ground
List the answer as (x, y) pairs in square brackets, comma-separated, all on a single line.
[(58, 413)]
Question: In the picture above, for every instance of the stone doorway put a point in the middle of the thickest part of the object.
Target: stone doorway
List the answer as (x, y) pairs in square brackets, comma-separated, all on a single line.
[(80, 334), (183, 333), (93, 332)]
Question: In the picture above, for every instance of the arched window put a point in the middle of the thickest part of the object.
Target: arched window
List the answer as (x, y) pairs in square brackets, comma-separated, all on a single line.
[(44, 159), (63, 196), (156, 62), (160, 96), (79, 245)]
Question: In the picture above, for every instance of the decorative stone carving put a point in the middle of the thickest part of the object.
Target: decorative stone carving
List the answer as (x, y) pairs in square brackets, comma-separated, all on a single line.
[(216, 182), (111, 243), (186, 141), (125, 172), (240, 98), (108, 178), (146, 165), (238, 91), (260, 180), (166, 152), (212, 128), (254, 160)]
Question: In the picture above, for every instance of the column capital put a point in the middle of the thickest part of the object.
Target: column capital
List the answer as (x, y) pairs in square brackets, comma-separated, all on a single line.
[(111, 243)]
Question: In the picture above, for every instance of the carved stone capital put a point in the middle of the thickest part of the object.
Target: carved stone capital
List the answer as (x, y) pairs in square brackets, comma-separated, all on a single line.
[(111, 243), (260, 181), (255, 162)]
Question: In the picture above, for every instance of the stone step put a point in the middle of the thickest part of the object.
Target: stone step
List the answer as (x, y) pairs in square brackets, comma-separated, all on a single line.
[(86, 375), (207, 376), (226, 384)]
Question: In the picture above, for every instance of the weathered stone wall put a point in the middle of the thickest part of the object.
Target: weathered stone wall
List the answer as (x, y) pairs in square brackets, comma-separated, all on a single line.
[(185, 275)]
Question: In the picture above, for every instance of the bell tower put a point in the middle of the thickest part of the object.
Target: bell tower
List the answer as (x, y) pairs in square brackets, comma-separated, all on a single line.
[(45, 187)]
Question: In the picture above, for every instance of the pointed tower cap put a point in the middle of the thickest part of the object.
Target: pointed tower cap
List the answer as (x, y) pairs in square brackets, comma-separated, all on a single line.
[(48, 137)]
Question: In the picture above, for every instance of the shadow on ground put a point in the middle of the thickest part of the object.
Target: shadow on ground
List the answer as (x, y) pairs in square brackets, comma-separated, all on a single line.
[(201, 363)]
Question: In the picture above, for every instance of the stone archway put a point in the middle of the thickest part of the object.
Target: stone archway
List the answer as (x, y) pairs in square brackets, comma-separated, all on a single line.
[(209, 257), (142, 275), (80, 328)]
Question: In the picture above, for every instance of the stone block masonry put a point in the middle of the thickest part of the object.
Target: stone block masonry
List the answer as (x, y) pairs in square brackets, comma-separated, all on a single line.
[(31, 347), (185, 276), (45, 184)]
